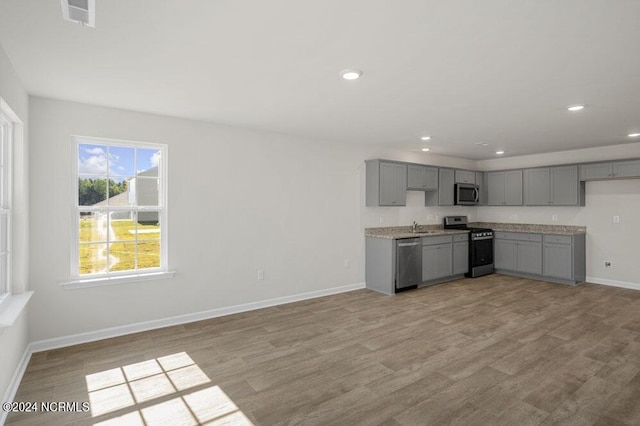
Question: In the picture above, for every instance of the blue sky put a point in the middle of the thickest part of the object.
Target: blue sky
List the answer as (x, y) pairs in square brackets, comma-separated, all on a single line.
[(118, 162)]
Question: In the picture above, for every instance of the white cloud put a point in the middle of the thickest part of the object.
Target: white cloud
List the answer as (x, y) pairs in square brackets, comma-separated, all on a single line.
[(155, 159), (94, 151), (93, 165)]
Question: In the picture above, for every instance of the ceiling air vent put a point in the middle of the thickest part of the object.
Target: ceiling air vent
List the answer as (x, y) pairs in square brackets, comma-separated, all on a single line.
[(80, 11)]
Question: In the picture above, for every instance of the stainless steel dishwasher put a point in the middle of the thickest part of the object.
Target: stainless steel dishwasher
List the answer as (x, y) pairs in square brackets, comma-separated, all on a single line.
[(408, 263)]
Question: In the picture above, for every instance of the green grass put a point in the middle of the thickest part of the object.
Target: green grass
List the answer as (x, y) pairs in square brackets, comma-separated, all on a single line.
[(92, 258)]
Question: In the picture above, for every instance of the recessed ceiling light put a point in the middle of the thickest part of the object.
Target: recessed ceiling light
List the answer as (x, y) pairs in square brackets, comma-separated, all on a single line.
[(499, 152), (425, 149), (634, 135), (575, 107), (350, 74), (425, 138)]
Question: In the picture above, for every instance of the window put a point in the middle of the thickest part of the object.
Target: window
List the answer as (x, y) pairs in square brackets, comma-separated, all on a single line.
[(6, 134), (120, 209)]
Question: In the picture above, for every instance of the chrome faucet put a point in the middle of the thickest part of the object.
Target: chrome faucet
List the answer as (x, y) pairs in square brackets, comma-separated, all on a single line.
[(414, 227)]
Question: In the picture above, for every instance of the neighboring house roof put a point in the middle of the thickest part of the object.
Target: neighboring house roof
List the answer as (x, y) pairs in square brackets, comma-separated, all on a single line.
[(153, 172), (122, 199)]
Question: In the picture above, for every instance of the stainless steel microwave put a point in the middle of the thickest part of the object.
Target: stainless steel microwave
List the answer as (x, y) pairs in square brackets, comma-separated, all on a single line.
[(466, 194)]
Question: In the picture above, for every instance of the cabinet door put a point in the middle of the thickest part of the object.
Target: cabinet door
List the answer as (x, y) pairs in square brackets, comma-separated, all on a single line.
[(564, 186), (400, 184), (530, 257), (422, 178), (444, 260), (626, 168), (387, 184), (416, 177), (482, 188), (506, 254), (460, 258), (463, 176), (536, 187), (445, 187), (596, 171), (429, 263), (513, 188), (495, 188), (431, 178), (558, 260)]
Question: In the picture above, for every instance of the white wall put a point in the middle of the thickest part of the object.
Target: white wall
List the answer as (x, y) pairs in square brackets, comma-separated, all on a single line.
[(13, 340), (239, 201), (606, 241)]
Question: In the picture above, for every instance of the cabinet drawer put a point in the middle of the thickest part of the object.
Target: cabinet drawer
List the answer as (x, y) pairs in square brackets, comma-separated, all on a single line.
[(518, 236), (429, 241), (460, 237), (559, 239)]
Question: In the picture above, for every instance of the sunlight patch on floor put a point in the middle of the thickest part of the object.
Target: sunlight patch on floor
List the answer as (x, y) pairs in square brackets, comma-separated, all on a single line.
[(116, 393)]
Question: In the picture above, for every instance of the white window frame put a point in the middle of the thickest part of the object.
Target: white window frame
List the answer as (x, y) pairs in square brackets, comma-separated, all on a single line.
[(116, 277), (6, 168)]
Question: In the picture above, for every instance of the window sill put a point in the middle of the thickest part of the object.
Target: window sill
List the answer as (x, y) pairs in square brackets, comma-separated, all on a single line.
[(12, 307), (123, 279)]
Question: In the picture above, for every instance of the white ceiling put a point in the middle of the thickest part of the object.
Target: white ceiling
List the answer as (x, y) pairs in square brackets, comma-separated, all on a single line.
[(462, 71)]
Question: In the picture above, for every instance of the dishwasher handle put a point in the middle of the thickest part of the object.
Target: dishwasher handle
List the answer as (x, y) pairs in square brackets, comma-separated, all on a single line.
[(408, 244)]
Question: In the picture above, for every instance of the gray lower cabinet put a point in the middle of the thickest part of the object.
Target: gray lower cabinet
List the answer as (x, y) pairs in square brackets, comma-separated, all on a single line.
[(549, 257), (422, 178), (386, 183), (518, 252), (446, 185), (460, 257), (530, 257), (437, 262), (610, 170), (504, 188), (564, 257), (441, 258)]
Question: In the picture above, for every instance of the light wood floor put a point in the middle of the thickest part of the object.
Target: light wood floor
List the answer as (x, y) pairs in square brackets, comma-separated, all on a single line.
[(495, 350)]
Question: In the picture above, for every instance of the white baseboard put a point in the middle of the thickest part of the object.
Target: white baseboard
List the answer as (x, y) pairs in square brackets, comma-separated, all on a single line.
[(10, 393), (614, 283), (75, 339)]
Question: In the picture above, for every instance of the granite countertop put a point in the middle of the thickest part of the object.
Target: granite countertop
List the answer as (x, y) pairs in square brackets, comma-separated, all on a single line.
[(532, 228), (400, 232)]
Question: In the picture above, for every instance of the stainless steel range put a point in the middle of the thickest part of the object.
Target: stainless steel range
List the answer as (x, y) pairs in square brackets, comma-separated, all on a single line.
[(480, 246)]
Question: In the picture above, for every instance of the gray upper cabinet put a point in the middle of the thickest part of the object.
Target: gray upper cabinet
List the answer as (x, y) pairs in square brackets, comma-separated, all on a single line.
[(422, 178), (504, 188), (445, 187), (464, 176), (386, 183), (552, 186), (480, 181), (596, 171), (610, 170), (536, 187), (626, 169)]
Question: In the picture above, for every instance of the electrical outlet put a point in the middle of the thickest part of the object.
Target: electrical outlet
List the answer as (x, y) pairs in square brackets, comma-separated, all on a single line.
[(616, 219), (260, 274), (607, 264), (347, 263), (381, 219), (554, 217)]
